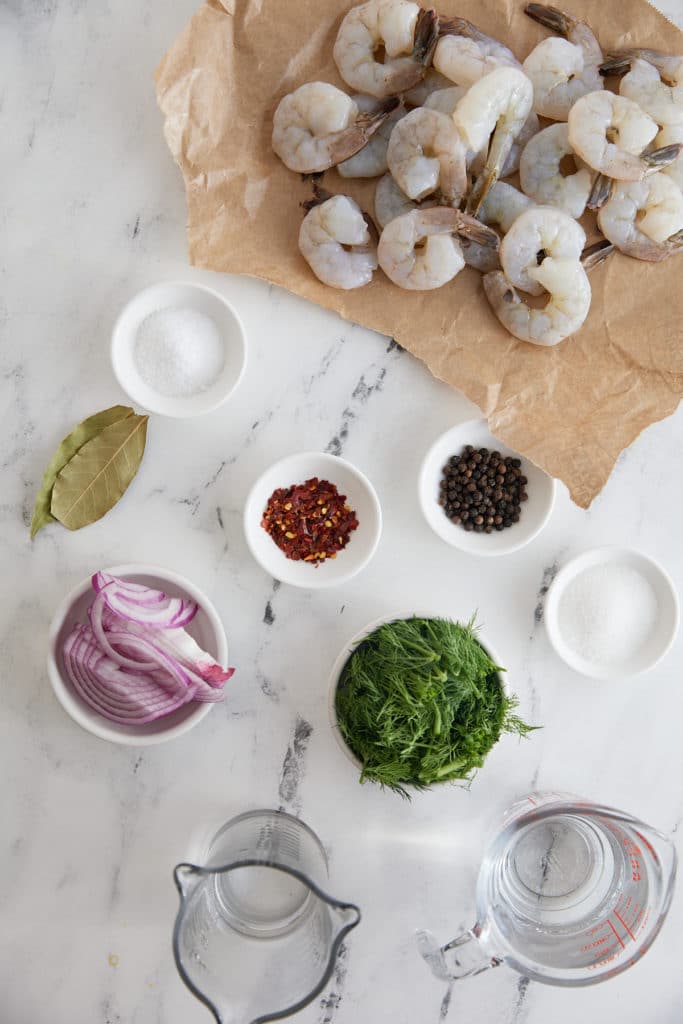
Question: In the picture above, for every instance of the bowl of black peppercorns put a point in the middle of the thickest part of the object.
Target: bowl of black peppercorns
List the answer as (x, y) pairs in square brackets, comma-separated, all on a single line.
[(480, 496)]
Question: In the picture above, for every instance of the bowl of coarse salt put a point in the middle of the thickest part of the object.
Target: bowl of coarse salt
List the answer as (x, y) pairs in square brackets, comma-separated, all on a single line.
[(611, 613), (178, 349)]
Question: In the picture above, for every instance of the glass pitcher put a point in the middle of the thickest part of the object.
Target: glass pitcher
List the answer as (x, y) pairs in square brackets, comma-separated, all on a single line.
[(569, 893), (256, 936)]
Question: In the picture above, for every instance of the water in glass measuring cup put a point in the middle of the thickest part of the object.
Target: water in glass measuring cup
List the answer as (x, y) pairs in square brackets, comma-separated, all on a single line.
[(568, 893)]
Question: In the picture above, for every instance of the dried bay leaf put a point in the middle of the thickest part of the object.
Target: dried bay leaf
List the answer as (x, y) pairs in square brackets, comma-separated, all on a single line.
[(99, 473), (79, 436)]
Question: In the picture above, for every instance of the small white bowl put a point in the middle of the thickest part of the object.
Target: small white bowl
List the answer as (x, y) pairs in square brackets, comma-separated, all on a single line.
[(189, 296), (360, 495), (351, 645), (659, 641), (206, 628), (534, 513)]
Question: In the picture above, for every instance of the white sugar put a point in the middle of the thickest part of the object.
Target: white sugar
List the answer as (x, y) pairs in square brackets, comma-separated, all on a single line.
[(607, 613), (179, 352)]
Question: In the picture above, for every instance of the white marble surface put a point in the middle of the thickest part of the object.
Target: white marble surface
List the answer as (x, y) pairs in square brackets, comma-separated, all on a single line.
[(92, 209)]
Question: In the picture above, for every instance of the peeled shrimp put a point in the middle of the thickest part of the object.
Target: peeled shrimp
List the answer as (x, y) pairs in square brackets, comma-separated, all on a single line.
[(503, 205), (336, 243), (498, 103), (464, 54), (407, 34), (672, 134), (643, 84), (540, 176), (567, 307), (371, 160), (318, 126), (538, 234), (564, 69), (644, 218), (392, 202), (419, 250), (419, 94), (426, 154), (445, 100), (610, 133)]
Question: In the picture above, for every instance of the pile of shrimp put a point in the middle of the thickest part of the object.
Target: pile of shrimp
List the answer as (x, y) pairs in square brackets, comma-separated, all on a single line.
[(441, 113)]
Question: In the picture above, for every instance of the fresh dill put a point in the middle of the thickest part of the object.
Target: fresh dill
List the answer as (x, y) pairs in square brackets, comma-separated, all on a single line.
[(420, 701)]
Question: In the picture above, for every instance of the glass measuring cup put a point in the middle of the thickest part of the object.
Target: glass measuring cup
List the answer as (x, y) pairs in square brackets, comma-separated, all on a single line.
[(569, 893), (256, 936)]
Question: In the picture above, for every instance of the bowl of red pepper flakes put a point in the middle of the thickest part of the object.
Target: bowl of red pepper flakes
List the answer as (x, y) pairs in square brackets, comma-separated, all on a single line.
[(312, 520)]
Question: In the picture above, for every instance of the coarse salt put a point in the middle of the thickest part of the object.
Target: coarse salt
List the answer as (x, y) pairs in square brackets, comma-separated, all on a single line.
[(607, 613), (179, 351)]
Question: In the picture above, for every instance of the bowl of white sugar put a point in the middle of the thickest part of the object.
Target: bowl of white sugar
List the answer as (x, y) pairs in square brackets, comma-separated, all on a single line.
[(178, 349), (611, 613)]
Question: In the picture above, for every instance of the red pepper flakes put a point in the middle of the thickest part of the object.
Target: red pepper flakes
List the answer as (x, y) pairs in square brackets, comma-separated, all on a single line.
[(309, 522)]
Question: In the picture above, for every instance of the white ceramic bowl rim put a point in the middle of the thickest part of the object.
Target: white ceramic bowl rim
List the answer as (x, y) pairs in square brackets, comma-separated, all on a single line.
[(535, 512), (72, 703), (573, 568), (332, 573), (178, 406), (355, 641)]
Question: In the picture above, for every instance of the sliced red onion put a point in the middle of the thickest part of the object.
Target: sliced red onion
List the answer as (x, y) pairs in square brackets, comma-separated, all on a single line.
[(134, 662), (142, 604)]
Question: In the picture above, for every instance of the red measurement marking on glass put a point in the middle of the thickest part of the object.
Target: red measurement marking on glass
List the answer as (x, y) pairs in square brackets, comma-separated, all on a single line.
[(616, 935), (628, 930)]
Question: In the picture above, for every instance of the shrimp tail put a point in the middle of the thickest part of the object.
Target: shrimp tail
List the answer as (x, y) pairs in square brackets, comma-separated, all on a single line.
[(600, 192), (667, 65), (501, 144), (426, 36), (550, 17), (352, 139), (373, 230), (475, 231), (662, 157), (320, 195), (460, 27), (616, 65), (593, 255)]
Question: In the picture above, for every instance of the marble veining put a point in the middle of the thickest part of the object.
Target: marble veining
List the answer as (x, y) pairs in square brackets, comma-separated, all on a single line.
[(93, 210)]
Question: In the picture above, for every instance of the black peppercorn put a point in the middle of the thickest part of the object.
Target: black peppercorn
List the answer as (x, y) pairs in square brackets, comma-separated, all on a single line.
[(482, 491)]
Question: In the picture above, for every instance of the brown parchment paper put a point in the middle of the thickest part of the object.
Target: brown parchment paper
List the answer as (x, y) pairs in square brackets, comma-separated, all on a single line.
[(571, 409)]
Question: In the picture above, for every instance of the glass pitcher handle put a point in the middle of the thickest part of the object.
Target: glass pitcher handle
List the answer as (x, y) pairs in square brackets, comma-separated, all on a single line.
[(462, 957)]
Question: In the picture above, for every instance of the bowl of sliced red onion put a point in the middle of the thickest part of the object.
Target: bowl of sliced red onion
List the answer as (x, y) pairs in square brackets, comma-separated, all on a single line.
[(137, 655)]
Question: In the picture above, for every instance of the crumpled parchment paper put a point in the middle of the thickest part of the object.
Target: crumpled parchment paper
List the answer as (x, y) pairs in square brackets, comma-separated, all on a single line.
[(571, 409)]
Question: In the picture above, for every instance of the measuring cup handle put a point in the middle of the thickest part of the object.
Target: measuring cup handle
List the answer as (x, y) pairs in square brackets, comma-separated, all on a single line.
[(462, 957)]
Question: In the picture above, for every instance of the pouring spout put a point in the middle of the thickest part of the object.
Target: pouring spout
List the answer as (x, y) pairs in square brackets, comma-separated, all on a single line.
[(186, 878), (462, 957)]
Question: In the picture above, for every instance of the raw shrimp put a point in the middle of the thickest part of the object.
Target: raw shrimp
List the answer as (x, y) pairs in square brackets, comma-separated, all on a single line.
[(643, 84), (405, 32), (318, 126), (336, 242), (500, 102), (645, 218), (419, 250), (672, 134), (541, 233), (564, 69), (464, 54), (426, 154), (567, 307), (371, 160), (503, 205), (445, 100), (432, 81), (610, 133), (392, 202), (540, 176)]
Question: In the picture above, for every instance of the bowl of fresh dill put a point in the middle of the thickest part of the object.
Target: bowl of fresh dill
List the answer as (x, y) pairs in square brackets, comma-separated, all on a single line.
[(420, 701)]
